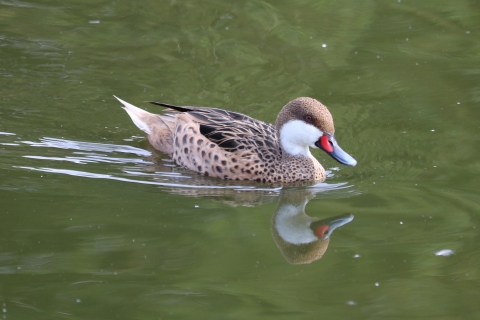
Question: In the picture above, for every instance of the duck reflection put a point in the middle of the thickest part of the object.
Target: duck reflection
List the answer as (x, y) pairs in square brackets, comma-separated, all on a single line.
[(301, 238)]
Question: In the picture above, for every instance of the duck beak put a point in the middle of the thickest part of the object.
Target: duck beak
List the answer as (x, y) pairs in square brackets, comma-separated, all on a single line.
[(328, 144), (324, 228)]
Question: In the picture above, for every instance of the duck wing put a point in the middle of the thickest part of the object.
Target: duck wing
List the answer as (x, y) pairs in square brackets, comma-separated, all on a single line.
[(231, 131)]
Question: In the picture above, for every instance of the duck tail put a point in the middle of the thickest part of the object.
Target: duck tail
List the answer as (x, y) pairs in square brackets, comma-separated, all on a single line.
[(158, 128), (140, 118)]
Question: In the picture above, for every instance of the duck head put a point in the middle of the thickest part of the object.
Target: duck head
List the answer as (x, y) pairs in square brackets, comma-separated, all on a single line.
[(305, 122)]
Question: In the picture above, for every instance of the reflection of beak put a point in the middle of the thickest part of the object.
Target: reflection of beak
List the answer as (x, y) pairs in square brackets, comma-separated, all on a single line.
[(328, 144), (324, 228)]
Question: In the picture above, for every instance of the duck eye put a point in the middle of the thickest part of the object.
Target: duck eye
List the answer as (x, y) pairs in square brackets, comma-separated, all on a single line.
[(308, 118)]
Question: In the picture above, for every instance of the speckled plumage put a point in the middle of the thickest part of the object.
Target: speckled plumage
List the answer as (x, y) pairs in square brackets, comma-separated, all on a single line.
[(230, 145)]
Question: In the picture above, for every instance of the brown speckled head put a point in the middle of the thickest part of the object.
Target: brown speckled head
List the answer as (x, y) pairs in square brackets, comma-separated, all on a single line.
[(308, 110)]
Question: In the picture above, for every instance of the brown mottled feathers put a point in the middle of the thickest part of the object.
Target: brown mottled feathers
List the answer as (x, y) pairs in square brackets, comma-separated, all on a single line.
[(223, 143)]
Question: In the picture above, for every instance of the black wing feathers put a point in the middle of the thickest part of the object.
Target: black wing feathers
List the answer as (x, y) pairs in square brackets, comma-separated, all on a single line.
[(171, 106)]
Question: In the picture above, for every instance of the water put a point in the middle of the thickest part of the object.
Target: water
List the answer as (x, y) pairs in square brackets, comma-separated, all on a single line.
[(98, 225)]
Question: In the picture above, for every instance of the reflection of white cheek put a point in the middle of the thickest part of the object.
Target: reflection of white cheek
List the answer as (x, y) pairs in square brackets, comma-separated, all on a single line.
[(293, 224), (296, 136)]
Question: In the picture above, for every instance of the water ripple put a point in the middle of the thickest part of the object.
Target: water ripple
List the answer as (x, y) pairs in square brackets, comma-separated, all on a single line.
[(86, 146), (90, 159), (7, 133), (85, 174)]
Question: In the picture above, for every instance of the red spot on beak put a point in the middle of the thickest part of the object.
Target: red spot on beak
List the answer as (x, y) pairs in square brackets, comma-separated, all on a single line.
[(320, 232), (325, 143)]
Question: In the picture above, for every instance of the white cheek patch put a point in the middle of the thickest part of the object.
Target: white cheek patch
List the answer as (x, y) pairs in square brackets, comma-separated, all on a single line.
[(296, 136)]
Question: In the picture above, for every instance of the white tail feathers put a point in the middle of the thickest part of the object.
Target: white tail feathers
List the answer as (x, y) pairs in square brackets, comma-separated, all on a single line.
[(138, 116)]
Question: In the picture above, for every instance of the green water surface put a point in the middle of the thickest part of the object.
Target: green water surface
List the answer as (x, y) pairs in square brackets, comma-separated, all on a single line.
[(96, 225)]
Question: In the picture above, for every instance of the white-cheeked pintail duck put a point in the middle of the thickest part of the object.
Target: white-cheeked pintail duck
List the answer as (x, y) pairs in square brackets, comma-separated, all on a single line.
[(231, 145)]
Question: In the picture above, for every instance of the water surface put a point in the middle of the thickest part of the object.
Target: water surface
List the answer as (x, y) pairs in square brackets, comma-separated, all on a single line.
[(97, 225)]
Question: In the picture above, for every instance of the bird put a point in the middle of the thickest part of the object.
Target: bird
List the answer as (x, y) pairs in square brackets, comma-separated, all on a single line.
[(230, 145)]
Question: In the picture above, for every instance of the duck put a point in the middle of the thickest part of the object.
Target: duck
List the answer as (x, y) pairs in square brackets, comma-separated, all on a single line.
[(230, 145)]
